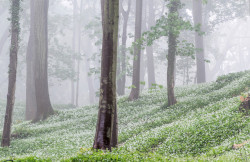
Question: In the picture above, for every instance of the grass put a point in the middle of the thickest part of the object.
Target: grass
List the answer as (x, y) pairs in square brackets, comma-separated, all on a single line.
[(203, 126)]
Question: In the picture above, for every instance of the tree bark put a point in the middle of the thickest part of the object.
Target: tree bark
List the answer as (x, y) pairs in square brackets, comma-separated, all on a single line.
[(149, 49), (44, 108), (15, 8), (172, 49), (106, 129), (199, 42), (122, 81), (135, 92), (31, 105)]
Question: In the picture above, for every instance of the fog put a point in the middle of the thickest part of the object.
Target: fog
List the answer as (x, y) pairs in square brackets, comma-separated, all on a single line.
[(227, 47)]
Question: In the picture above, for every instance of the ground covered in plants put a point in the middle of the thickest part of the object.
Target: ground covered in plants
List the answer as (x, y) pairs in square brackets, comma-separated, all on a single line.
[(203, 126)]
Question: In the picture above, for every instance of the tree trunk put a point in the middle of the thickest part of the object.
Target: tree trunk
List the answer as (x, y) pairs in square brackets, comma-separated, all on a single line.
[(149, 49), (135, 92), (31, 106), (44, 108), (106, 129), (172, 49), (199, 44), (122, 81), (79, 54), (15, 7)]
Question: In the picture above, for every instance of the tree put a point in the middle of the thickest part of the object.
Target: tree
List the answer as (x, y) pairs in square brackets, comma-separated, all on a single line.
[(134, 94), (106, 129), (44, 108), (150, 49), (122, 80), (173, 34), (15, 8), (200, 56), (31, 105)]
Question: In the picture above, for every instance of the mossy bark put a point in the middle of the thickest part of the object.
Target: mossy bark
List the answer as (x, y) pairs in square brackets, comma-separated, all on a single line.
[(15, 9), (106, 129)]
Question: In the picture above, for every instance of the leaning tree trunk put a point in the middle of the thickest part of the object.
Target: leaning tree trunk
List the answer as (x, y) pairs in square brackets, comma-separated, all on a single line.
[(31, 106), (106, 129), (172, 49), (135, 92), (199, 43), (44, 108), (15, 7)]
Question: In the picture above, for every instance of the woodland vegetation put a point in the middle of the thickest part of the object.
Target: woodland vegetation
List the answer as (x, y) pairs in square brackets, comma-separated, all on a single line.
[(124, 80)]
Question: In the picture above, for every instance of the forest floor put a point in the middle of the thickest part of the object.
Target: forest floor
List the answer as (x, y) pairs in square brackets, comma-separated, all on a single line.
[(202, 126)]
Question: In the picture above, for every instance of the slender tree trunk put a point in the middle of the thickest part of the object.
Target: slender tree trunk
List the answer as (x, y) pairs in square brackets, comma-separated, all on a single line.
[(199, 44), (3, 39), (172, 49), (79, 54), (106, 129), (135, 92), (149, 49), (44, 108), (122, 81), (31, 106), (15, 8)]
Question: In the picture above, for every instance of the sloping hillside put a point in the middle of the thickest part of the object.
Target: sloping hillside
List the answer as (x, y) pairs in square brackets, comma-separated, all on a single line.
[(202, 126)]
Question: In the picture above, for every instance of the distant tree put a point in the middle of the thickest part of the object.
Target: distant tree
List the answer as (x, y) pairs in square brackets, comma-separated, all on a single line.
[(135, 92), (150, 49), (200, 55), (106, 129), (31, 106), (44, 108), (122, 78), (15, 30)]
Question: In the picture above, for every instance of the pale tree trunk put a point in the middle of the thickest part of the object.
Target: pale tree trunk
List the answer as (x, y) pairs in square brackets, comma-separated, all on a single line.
[(172, 49), (199, 42), (135, 92), (106, 129), (31, 106), (149, 49), (44, 108), (122, 81), (3, 39), (15, 8), (74, 50), (79, 54)]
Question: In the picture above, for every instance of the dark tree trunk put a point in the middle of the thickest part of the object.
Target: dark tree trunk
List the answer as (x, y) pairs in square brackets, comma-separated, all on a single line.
[(15, 7), (172, 49), (31, 106), (3, 39), (199, 44), (149, 49), (135, 92), (123, 68), (44, 108), (106, 129)]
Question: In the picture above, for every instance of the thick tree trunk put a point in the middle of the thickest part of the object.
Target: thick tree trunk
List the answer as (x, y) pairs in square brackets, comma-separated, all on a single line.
[(123, 67), (106, 129), (31, 106), (172, 49), (44, 108), (135, 92), (3, 39), (15, 7), (199, 44), (149, 49)]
